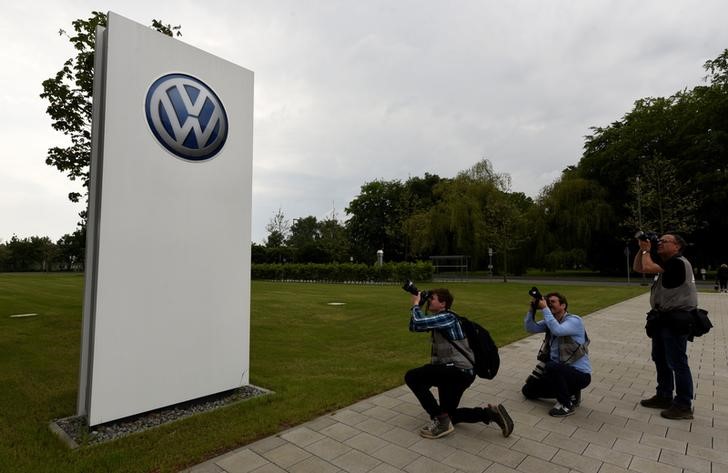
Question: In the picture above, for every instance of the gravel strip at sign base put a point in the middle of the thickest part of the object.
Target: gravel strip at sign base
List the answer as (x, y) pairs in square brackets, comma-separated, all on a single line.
[(74, 431)]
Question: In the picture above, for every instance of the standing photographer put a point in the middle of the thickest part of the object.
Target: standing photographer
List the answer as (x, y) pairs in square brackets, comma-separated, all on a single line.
[(673, 297), (566, 368), (449, 370)]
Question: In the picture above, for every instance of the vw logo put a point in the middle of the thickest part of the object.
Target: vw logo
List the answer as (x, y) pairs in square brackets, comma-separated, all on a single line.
[(186, 117)]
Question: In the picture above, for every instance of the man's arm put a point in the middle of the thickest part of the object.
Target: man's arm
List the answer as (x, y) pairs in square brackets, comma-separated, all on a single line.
[(530, 324), (675, 273), (643, 262), (420, 322), (568, 326)]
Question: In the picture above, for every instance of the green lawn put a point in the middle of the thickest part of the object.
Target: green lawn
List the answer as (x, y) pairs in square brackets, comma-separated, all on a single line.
[(316, 357)]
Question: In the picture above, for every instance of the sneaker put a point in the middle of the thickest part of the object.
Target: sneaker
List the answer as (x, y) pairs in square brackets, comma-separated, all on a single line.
[(677, 412), (437, 428), (499, 415), (559, 410), (657, 402), (576, 399)]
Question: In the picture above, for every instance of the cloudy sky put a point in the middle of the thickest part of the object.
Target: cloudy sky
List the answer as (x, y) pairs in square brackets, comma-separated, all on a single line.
[(351, 91)]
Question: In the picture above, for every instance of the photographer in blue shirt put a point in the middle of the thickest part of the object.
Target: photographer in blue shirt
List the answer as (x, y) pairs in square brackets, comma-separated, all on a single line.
[(565, 368)]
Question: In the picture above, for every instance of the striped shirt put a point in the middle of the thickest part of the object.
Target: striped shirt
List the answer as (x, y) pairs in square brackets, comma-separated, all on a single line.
[(445, 322)]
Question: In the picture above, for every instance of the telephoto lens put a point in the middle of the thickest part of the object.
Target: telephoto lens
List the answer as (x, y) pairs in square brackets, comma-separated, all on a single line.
[(410, 287)]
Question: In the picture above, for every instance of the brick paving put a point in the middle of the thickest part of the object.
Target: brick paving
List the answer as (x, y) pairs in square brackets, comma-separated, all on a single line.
[(609, 433)]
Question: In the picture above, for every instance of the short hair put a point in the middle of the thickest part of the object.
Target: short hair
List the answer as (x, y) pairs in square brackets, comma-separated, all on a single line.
[(560, 297), (679, 240), (443, 295)]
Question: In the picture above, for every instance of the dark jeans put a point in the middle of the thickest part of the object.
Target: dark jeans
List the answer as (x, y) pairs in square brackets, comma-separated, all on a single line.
[(451, 383), (669, 352), (559, 381)]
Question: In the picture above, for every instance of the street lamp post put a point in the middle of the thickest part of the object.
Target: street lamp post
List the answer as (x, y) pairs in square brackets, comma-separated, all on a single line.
[(639, 217)]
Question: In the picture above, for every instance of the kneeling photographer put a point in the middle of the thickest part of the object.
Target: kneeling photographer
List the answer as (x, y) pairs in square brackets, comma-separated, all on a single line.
[(564, 368), (450, 368)]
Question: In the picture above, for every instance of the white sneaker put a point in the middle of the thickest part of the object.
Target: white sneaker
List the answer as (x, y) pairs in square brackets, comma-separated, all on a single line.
[(437, 428), (560, 410)]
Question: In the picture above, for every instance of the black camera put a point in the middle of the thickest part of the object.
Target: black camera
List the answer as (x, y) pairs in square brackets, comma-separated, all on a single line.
[(536, 294), (652, 237), (410, 287)]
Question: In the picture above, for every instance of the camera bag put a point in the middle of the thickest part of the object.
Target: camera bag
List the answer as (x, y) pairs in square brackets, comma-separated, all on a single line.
[(700, 324)]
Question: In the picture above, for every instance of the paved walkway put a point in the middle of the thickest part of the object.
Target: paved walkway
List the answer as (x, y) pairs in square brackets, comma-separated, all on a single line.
[(609, 433)]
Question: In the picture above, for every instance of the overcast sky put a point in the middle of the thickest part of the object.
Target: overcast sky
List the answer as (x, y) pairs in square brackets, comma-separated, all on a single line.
[(351, 91)]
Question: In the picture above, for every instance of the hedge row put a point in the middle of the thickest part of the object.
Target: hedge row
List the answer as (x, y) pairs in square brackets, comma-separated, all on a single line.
[(420, 271)]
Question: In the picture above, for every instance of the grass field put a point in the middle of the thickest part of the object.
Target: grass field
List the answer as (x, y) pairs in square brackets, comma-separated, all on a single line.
[(316, 357)]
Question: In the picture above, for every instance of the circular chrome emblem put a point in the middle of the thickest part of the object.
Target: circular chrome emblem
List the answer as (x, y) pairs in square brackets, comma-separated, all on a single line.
[(186, 117)]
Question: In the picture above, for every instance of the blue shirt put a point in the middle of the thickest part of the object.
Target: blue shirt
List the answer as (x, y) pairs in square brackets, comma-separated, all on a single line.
[(446, 322), (570, 325)]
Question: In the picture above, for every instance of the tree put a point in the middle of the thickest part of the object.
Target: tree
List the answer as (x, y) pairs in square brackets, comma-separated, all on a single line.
[(20, 255), (471, 213), (483, 171), (420, 191), (4, 257), (313, 241), (334, 240), (375, 221), (44, 252), (717, 70), (72, 250), (278, 228), (304, 231), (28, 254), (507, 225), (70, 93), (660, 200), (576, 214)]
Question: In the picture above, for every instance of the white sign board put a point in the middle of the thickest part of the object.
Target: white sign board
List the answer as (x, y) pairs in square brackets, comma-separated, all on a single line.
[(167, 296)]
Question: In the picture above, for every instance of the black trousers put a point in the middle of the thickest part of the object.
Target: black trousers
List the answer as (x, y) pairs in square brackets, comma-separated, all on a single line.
[(451, 383), (559, 381)]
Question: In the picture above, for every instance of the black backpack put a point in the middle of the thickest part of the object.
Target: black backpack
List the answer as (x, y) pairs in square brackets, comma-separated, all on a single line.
[(486, 361)]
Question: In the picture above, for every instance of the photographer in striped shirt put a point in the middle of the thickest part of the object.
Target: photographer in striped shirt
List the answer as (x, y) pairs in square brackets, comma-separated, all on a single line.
[(449, 369)]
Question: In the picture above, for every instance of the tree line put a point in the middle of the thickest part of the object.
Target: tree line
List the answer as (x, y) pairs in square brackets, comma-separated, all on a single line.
[(38, 253), (661, 167)]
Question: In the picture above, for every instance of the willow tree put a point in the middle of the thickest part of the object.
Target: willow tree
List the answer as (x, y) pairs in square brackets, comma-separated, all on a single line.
[(577, 219), (472, 212)]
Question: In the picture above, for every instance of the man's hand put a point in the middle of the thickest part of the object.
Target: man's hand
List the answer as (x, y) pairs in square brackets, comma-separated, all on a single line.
[(645, 245), (537, 304), (415, 299)]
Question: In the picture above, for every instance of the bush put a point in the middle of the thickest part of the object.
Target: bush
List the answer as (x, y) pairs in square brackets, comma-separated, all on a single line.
[(340, 272)]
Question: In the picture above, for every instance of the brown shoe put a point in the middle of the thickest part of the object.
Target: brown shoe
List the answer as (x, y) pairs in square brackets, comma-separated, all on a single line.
[(677, 412), (657, 402), (499, 415)]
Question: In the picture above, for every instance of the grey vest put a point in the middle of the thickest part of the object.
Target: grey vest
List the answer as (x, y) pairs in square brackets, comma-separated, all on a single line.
[(569, 350), (681, 298), (443, 352)]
